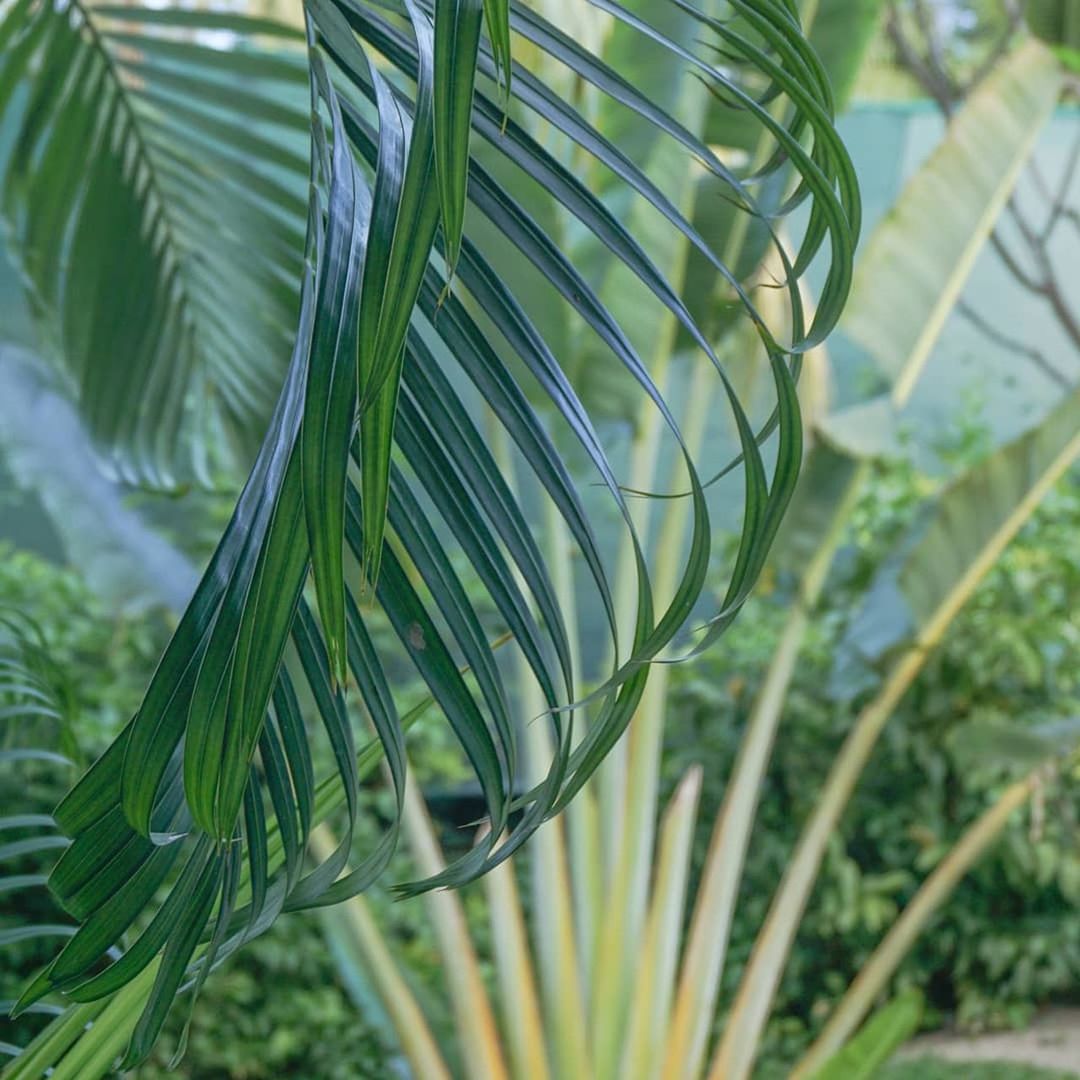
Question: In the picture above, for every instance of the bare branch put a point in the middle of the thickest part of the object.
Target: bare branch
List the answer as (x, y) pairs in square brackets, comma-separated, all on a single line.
[(1012, 264), (1014, 20), (1060, 206), (1012, 344), (929, 77), (930, 70)]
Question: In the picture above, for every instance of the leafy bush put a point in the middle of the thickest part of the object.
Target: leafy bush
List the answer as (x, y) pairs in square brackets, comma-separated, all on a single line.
[(1008, 939), (107, 658), (104, 660)]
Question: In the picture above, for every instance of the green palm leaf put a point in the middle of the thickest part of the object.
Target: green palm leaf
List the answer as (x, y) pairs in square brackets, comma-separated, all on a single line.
[(870, 1049), (36, 751), (193, 825), (152, 196)]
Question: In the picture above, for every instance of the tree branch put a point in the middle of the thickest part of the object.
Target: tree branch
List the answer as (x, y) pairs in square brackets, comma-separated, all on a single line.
[(1012, 344)]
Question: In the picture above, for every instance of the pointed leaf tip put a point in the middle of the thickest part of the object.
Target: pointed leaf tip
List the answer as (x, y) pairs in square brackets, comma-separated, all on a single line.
[(457, 45), (38, 988), (497, 19)]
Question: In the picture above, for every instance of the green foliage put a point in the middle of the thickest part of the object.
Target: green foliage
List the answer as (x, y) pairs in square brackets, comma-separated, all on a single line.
[(279, 1010), (98, 665), (276, 1007), (929, 1069), (1005, 941), (875, 1043), (106, 658), (1057, 22), (127, 121), (302, 477)]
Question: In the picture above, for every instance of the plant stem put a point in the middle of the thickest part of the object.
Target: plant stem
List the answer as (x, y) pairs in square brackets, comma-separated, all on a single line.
[(481, 1050), (718, 892), (753, 1002), (410, 1026), (877, 971)]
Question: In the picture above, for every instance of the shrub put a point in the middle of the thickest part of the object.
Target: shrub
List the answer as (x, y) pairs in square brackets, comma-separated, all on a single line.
[(1008, 938)]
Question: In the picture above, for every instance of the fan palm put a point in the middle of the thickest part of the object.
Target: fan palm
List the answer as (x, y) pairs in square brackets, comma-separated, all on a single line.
[(296, 238)]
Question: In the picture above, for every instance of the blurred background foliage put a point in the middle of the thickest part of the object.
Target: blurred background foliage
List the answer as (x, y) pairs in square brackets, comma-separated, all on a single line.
[(1009, 938)]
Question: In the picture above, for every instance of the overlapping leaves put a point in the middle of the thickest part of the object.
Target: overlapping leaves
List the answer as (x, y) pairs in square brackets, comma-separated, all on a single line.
[(153, 195), (375, 473)]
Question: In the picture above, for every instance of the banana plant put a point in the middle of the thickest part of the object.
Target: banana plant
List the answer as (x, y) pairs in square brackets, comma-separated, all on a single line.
[(234, 229)]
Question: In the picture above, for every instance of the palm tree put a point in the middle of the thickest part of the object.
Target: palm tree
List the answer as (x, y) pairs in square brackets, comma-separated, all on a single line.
[(332, 249)]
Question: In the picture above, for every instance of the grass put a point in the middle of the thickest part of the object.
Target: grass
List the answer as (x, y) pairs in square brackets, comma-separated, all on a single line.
[(930, 1069)]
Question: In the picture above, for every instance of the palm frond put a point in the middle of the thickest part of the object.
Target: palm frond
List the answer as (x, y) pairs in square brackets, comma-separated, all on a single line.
[(374, 467), (37, 758), (152, 196)]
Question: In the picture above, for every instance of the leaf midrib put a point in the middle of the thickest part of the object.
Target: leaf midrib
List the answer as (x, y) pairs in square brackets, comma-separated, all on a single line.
[(154, 188)]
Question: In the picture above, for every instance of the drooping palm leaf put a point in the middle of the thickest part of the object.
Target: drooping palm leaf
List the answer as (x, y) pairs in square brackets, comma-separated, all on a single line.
[(373, 457)]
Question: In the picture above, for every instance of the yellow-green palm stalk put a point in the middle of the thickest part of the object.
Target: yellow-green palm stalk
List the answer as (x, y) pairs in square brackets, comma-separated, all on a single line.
[(401, 1006), (534, 1040), (625, 839), (975, 519), (523, 1041)]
